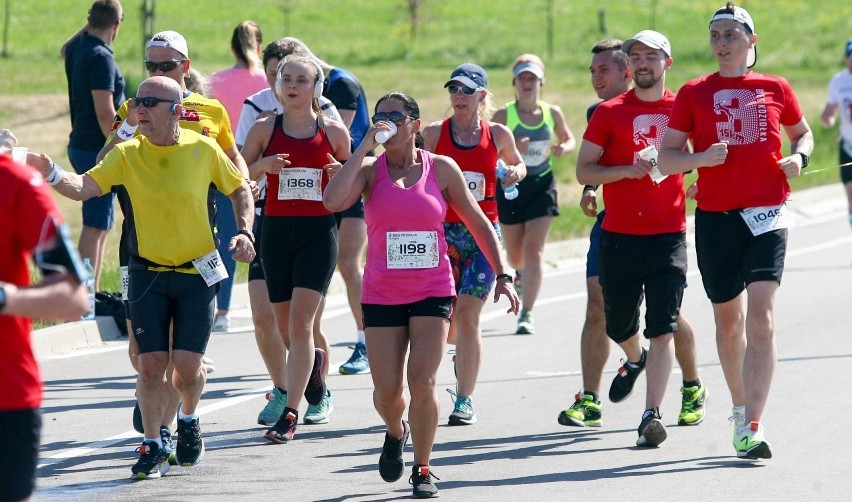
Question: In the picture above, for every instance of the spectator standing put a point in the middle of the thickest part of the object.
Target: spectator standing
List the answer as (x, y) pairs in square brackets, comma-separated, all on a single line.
[(839, 102)]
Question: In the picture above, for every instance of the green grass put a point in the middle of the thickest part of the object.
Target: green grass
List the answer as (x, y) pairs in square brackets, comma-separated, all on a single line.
[(372, 38)]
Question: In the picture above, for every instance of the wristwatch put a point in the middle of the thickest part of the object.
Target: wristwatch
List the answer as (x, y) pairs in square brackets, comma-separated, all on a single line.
[(806, 160), (2, 297), (247, 233)]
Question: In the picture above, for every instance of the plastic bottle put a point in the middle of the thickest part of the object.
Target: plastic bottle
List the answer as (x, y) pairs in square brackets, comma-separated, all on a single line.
[(89, 314), (509, 191), (385, 134)]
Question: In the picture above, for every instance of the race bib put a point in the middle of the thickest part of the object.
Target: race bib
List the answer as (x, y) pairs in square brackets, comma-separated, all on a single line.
[(303, 183), (211, 267), (537, 152), (125, 281), (476, 184), (765, 219), (412, 249)]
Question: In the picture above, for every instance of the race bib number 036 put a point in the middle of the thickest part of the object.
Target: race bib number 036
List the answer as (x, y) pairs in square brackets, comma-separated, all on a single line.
[(412, 250), (302, 183), (765, 219)]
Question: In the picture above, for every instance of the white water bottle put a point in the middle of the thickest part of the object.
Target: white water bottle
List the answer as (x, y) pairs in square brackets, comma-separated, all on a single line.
[(89, 314), (385, 134), (509, 191)]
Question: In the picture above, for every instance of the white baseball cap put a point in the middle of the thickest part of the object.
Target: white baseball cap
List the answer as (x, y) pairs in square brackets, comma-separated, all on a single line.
[(652, 39), (170, 39), (741, 16)]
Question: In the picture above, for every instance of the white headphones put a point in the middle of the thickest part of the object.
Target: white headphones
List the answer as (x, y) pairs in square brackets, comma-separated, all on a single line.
[(318, 85)]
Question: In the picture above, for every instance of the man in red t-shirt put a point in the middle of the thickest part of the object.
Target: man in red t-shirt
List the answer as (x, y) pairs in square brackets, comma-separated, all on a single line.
[(643, 239), (29, 218), (734, 118)]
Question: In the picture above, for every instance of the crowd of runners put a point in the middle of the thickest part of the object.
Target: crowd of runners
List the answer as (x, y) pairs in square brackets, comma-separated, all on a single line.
[(275, 164)]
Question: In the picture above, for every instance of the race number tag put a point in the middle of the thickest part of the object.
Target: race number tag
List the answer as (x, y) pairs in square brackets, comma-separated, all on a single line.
[(476, 184), (537, 152), (765, 219), (125, 281), (649, 154), (211, 267), (302, 183), (412, 249)]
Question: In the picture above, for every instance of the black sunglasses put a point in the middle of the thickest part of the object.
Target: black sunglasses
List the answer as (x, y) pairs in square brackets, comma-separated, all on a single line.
[(165, 66), (396, 117), (454, 89), (150, 102)]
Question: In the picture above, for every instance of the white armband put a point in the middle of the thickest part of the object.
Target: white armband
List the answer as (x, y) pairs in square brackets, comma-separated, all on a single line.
[(126, 131), (55, 175)]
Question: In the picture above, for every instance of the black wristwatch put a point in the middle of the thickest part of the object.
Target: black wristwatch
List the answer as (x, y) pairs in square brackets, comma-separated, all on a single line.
[(505, 276), (806, 160), (2, 297), (248, 234)]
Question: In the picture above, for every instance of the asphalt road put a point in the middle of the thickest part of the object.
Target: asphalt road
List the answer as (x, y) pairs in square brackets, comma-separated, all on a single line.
[(517, 450)]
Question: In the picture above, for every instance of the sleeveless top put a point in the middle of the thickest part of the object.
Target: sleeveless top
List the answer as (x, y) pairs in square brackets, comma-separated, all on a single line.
[(479, 165), (297, 190), (406, 251), (537, 156)]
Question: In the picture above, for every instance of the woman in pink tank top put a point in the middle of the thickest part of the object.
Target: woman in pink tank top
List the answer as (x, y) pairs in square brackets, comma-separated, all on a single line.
[(408, 285)]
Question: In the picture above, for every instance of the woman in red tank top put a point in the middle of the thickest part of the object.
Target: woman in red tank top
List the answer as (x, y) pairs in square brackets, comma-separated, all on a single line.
[(299, 236)]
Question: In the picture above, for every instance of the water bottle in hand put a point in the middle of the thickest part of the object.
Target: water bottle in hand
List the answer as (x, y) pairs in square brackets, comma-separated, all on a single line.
[(509, 191), (89, 314), (385, 134)]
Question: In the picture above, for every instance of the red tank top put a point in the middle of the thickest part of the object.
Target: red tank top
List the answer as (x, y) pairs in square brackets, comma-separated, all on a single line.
[(297, 191), (477, 162)]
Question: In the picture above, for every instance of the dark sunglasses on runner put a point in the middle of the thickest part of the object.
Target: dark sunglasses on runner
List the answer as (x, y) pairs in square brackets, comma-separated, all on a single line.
[(454, 89), (165, 66), (396, 117), (151, 102)]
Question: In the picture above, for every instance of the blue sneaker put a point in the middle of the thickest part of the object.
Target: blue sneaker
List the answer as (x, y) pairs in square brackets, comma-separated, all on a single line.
[(319, 413), (358, 364)]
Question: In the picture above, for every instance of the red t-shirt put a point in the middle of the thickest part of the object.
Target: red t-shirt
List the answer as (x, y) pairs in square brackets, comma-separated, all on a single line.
[(26, 209), (636, 206), (305, 178), (477, 160), (747, 113)]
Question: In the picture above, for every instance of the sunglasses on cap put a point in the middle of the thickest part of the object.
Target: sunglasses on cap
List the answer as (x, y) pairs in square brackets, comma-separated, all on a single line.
[(454, 89), (151, 102), (165, 66), (396, 117)]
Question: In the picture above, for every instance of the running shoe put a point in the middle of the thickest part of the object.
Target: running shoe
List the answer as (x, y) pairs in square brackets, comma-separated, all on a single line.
[(525, 323), (276, 401), (168, 444), (153, 461), (692, 404), (190, 446), (208, 364), (391, 463), (316, 389), (358, 364), (751, 442), (463, 413), (221, 324), (652, 432), (518, 285), (421, 481), (622, 384), (285, 428), (319, 414), (137, 419), (585, 412)]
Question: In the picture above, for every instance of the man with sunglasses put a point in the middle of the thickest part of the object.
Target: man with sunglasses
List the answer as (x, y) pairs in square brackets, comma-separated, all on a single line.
[(174, 264), (167, 54), (95, 90)]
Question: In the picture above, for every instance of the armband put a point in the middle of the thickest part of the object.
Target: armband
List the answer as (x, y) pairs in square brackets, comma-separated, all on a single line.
[(55, 175), (126, 131)]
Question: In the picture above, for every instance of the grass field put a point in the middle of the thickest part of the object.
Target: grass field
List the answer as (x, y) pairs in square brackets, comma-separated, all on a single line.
[(374, 40)]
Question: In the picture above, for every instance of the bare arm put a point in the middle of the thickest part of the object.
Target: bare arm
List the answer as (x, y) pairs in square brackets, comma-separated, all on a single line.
[(58, 297), (567, 142), (243, 204), (255, 144), (431, 133), (801, 140), (829, 115), (350, 182), (104, 109), (673, 159), (71, 185), (590, 172), (348, 116), (504, 140)]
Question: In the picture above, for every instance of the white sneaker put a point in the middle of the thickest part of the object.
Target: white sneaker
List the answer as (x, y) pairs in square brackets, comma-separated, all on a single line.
[(221, 324)]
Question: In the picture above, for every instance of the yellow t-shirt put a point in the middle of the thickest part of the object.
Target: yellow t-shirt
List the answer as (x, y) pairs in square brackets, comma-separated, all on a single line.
[(205, 116), (170, 194)]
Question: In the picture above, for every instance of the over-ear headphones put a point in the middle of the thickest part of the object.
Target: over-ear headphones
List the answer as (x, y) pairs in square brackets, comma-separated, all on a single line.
[(318, 85)]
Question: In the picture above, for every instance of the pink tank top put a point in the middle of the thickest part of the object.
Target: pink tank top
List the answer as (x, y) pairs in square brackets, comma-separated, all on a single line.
[(406, 250)]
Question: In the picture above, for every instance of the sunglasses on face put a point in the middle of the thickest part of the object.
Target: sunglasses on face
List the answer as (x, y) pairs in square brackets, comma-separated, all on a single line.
[(454, 89), (165, 66), (396, 117), (150, 102)]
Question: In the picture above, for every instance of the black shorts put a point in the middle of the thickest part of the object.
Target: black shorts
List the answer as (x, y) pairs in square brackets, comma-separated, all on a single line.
[(633, 267), (845, 158), (160, 299), (730, 257), (536, 198), (298, 252), (20, 431), (594, 245), (255, 272), (391, 316), (354, 211)]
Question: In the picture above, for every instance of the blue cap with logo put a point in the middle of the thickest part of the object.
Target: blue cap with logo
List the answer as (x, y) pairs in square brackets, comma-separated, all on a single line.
[(470, 75)]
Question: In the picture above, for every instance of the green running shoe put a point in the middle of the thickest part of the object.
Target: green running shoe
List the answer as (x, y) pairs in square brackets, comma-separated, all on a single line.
[(692, 404), (275, 404), (751, 442), (525, 323), (319, 413), (585, 412)]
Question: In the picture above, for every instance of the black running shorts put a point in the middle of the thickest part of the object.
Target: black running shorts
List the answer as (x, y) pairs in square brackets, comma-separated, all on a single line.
[(536, 198), (391, 316), (20, 431)]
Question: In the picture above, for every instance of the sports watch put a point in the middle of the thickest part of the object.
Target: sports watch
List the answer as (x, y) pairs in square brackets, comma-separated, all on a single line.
[(806, 160)]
